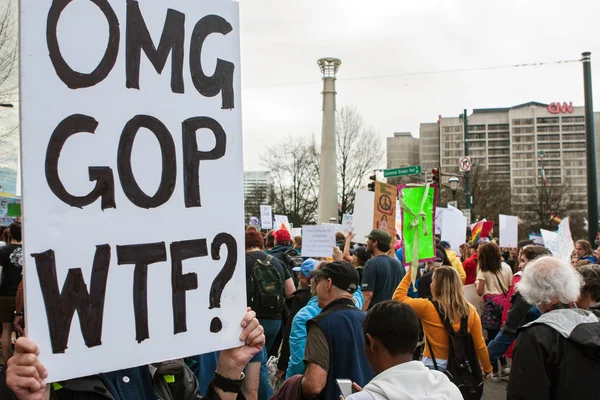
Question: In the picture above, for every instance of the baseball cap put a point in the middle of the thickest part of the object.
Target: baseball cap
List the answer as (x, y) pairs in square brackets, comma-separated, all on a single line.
[(380, 236), (342, 274), (282, 235), (445, 244), (306, 267), (361, 253)]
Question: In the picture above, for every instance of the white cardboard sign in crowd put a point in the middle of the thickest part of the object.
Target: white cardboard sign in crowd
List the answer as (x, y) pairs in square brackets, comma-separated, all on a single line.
[(318, 240), (454, 228), (363, 214), (132, 181), (509, 231), (266, 217)]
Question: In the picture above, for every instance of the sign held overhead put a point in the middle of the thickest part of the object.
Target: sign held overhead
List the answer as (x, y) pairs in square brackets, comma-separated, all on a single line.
[(107, 167)]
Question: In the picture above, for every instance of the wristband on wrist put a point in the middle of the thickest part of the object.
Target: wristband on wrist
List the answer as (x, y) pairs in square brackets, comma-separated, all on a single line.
[(228, 385), (18, 314)]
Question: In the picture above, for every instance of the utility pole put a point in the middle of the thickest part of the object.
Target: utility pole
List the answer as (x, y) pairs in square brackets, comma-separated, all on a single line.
[(592, 179), (469, 206)]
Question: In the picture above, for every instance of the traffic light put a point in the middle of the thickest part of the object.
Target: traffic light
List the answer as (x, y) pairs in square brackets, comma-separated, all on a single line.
[(371, 185), (436, 176)]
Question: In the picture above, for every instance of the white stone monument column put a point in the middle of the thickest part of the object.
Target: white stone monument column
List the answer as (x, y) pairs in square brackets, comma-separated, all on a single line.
[(328, 201)]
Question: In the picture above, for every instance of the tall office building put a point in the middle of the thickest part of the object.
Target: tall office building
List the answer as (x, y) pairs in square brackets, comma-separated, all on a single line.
[(513, 142), (255, 180), (402, 150), (429, 146)]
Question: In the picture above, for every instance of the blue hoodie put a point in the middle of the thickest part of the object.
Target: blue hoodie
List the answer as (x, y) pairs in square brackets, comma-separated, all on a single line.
[(298, 332)]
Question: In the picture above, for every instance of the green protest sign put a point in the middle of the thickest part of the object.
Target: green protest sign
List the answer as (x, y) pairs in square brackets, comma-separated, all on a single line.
[(13, 210), (418, 204)]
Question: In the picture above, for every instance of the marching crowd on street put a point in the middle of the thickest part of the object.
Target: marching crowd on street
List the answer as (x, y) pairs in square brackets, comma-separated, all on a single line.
[(356, 326)]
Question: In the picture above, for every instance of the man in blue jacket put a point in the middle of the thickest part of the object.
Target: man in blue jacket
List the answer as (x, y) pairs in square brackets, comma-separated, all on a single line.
[(335, 347), (298, 330)]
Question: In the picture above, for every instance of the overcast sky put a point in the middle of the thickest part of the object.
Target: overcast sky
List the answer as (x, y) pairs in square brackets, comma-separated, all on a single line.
[(282, 40)]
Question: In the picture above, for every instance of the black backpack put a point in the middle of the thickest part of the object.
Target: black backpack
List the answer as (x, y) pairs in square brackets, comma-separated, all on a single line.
[(265, 288), (292, 259), (463, 367)]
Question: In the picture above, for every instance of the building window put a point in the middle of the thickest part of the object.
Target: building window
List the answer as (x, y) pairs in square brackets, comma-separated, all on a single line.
[(526, 129), (498, 135), (574, 136), (523, 156), (548, 146), (523, 147), (476, 128), (573, 128), (446, 129), (498, 152), (497, 127), (524, 172), (523, 139), (475, 136), (548, 138), (523, 121), (551, 128), (523, 164), (524, 181), (500, 143), (551, 163), (552, 154), (499, 160), (574, 145), (548, 120), (573, 119), (573, 163)]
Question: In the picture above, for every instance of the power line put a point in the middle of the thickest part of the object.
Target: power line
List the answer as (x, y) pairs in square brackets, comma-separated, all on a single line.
[(444, 71)]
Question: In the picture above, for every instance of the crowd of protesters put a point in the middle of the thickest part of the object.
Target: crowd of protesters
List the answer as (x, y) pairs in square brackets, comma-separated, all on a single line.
[(356, 325)]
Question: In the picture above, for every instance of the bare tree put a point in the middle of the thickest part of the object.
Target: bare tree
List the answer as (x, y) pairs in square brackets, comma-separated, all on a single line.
[(546, 202), (359, 151), (294, 168), (491, 194), (9, 87)]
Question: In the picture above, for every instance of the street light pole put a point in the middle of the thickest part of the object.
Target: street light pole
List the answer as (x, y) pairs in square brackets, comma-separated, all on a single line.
[(469, 206), (590, 136), (453, 181)]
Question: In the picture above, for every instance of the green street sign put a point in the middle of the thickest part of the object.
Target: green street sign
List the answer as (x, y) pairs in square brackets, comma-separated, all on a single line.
[(413, 170)]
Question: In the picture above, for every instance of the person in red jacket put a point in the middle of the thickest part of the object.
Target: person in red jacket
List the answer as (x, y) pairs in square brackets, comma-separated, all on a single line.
[(470, 265)]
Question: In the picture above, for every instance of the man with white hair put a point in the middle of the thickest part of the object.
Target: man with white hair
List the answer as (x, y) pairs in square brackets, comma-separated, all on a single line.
[(558, 355)]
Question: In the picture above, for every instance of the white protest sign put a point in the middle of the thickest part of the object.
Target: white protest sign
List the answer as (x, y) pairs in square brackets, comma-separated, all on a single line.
[(454, 229), (318, 240), (347, 223), (296, 232), (112, 157), (537, 239), (565, 240), (551, 242), (282, 221), (363, 214), (266, 217), (509, 231), (439, 219), (337, 227)]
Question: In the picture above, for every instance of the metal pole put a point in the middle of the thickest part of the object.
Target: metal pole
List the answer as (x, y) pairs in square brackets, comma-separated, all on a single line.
[(454, 195), (469, 206), (592, 179)]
